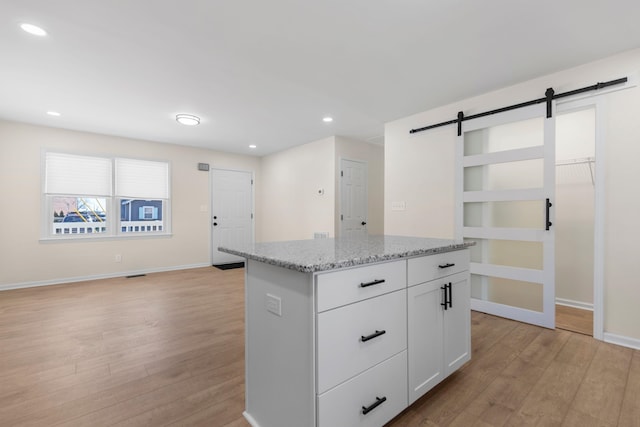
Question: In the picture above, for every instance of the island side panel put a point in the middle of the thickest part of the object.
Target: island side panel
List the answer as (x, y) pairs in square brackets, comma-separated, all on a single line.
[(280, 388)]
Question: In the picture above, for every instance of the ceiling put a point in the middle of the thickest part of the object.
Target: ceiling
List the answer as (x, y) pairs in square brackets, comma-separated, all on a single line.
[(267, 72)]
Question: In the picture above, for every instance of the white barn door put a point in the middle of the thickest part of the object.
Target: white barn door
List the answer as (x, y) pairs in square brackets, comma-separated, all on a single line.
[(505, 166)]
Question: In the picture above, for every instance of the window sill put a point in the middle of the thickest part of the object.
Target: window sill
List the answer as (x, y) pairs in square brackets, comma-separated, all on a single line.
[(95, 238)]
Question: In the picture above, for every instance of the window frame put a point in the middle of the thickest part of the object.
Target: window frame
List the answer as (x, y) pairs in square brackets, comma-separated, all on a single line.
[(112, 205)]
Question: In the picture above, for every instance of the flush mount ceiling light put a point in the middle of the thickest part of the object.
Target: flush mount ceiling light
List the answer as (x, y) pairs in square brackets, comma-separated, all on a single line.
[(33, 29), (53, 113), (327, 119), (188, 119), (252, 146)]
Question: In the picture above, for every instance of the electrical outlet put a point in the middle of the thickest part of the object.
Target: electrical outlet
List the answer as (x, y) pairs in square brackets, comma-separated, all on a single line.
[(398, 206), (274, 304), (118, 258)]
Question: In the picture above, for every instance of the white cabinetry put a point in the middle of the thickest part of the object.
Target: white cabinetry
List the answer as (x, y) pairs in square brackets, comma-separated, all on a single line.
[(439, 334), (361, 345), (352, 347)]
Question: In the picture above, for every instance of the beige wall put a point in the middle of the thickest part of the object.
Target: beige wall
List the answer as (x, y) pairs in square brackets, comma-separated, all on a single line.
[(419, 171), (373, 155), (290, 204), (291, 208), (26, 260), (287, 203)]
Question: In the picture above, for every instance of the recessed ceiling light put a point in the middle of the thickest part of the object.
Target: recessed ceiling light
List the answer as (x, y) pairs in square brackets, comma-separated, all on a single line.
[(53, 113), (327, 119), (188, 119), (33, 29), (252, 146)]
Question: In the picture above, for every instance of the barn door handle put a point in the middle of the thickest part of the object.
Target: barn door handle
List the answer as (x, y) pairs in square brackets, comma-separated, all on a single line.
[(548, 223)]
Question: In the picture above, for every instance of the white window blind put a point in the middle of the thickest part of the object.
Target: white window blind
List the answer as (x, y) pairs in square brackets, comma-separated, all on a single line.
[(142, 179), (81, 175)]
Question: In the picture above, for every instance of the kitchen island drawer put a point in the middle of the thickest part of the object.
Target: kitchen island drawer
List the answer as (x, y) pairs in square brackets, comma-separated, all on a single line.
[(370, 399), (427, 268), (353, 338), (338, 288)]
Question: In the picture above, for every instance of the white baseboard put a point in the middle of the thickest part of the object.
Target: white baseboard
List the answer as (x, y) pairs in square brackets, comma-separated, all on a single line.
[(575, 304), (621, 340), (250, 419), (63, 280)]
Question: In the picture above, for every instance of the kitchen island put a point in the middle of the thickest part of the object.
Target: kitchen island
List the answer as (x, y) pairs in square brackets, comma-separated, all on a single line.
[(349, 332)]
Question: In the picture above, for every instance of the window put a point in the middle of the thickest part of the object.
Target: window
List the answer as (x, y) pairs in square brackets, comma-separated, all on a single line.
[(104, 197), (142, 189), (79, 215), (141, 215)]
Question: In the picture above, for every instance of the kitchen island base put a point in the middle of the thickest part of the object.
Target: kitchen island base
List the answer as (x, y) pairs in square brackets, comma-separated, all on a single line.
[(353, 345)]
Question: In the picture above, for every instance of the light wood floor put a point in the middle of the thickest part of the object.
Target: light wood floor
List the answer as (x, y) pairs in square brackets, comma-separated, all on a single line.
[(168, 349), (574, 319)]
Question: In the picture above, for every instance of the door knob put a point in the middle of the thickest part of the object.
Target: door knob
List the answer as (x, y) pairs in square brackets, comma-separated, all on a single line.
[(363, 223)]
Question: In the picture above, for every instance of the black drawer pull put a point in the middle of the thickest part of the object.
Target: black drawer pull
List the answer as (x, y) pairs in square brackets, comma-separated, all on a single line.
[(379, 401), (447, 265), (375, 282), (373, 335)]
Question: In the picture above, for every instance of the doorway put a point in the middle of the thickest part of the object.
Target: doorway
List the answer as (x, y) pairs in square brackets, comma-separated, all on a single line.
[(511, 259), (575, 218), (353, 198), (231, 213)]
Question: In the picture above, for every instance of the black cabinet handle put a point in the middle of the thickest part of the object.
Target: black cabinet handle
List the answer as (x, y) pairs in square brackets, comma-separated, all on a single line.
[(379, 401), (372, 336), (375, 282), (446, 265), (215, 224), (450, 302), (363, 223), (549, 223), (444, 304)]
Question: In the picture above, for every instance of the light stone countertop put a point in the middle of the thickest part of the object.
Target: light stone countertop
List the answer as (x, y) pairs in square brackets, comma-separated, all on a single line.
[(314, 255)]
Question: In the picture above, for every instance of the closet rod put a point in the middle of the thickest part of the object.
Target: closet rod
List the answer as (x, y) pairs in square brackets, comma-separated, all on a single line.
[(576, 161), (549, 96)]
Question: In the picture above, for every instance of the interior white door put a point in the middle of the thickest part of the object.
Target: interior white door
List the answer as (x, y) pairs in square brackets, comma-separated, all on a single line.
[(505, 194), (232, 213), (353, 200)]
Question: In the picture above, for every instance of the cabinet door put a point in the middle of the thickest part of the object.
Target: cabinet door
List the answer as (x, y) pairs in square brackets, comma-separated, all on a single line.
[(425, 331), (457, 324)]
